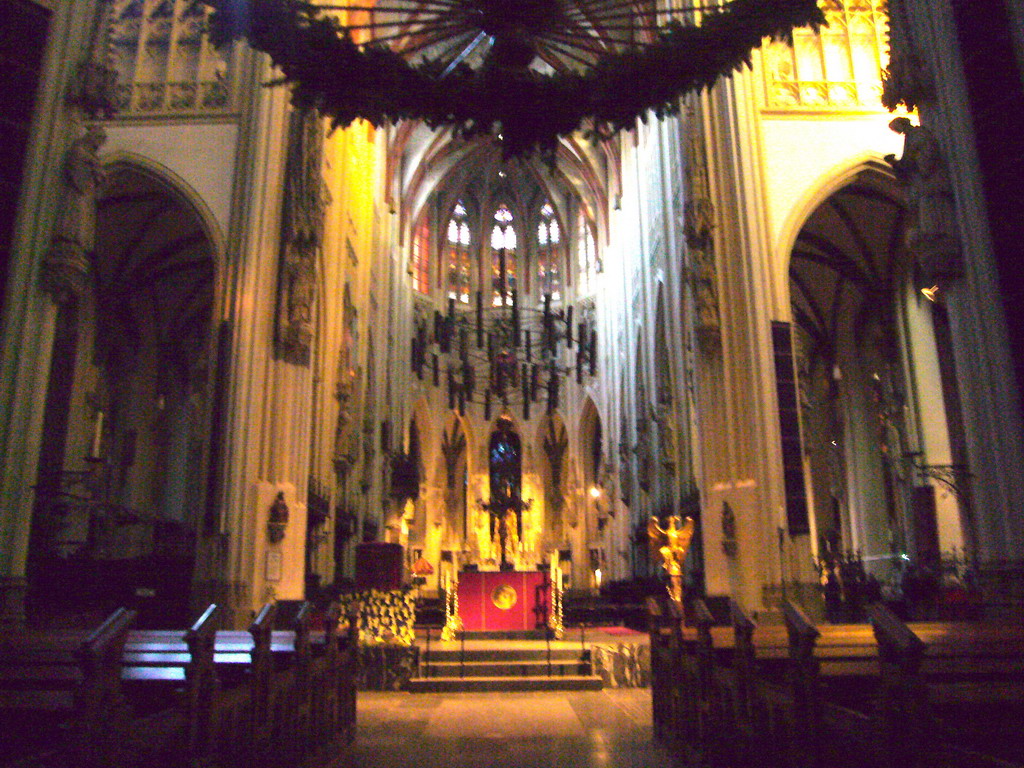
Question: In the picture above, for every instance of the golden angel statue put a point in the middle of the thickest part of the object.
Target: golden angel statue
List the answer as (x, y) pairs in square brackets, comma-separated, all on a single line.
[(671, 544)]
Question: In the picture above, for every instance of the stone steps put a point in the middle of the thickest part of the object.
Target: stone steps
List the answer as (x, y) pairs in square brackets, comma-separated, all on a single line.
[(503, 663), (517, 669), (503, 684), (507, 655)]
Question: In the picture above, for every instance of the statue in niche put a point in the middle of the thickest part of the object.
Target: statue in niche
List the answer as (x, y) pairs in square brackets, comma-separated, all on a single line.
[(345, 391), (705, 289), (729, 545), (302, 224), (643, 454), (66, 265), (625, 469), (698, 225), (922, 169)]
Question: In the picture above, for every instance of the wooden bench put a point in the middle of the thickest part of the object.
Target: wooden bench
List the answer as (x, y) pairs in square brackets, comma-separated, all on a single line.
[(952, 691), (840, 695), (256, 698), (60, 693)]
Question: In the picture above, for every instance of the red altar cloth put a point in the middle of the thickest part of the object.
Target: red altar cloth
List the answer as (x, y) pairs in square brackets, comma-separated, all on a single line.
[(484, 598)]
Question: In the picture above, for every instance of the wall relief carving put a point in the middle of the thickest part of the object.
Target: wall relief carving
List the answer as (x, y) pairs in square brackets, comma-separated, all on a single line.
[(65, 268), (302, 222), (698, 228), (933, 238)]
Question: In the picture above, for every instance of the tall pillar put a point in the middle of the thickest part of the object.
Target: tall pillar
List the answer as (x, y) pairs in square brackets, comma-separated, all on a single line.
[(741, 449), (983, 303), (266, 449), (28, 325)]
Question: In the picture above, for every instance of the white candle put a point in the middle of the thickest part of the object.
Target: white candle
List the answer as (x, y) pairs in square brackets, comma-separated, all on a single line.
[(97, 436)]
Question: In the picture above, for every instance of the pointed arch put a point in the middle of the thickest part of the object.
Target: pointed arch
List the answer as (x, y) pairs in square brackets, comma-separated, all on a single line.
[(827, 183), (135, 384), (591, 442)]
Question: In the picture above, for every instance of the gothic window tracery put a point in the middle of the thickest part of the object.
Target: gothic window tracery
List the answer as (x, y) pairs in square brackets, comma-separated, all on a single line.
[(420, 262), (549, 241), (503, 257), (839, 67), (457, 244), (162, 59)]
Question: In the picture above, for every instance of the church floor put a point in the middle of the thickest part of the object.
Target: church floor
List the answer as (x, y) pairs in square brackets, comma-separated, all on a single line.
[(609, 728)]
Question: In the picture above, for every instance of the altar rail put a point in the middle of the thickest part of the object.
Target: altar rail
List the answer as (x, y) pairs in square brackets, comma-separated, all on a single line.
[(199, 696), (801, 696)]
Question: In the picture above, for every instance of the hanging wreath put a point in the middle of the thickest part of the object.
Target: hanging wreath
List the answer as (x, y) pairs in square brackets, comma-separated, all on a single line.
[(530, 110)]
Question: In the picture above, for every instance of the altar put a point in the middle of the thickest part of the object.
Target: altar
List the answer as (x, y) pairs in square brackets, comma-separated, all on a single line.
[(504, 601)]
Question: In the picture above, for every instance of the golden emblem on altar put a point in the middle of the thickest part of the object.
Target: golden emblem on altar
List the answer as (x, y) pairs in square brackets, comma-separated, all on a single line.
[(671, 545), (504, 597)]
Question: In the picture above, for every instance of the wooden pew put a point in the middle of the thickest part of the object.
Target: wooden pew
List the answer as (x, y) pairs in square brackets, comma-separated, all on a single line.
[(952, 693), (201, 696), (60, 693), (665, 660), (799, 695)]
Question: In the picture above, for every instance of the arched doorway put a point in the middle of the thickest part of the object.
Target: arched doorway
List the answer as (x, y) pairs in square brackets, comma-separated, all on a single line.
[(872, 393), (125, 457)]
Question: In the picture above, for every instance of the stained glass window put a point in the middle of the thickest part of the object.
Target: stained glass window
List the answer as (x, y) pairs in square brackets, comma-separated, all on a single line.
[(421, 257), (503, 257), (457, 254), (549, 237), (505, 465)]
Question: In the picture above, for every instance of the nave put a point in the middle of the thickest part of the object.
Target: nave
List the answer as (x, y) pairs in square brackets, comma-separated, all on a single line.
[(589, 729)]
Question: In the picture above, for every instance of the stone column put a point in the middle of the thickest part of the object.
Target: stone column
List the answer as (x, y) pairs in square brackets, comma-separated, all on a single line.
[(28, 325), (260, 427)]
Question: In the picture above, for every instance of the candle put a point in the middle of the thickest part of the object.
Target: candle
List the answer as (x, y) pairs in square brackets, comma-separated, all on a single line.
[(97, 436)]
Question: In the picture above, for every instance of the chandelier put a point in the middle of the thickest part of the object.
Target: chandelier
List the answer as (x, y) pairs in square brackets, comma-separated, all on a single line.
[(505, 355), (527, 72)]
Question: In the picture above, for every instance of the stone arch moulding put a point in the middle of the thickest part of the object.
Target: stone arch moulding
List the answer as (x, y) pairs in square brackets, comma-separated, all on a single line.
[(816, 193), (190, 198)]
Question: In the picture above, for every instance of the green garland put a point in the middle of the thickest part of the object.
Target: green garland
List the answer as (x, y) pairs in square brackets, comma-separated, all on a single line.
[(344, 81)]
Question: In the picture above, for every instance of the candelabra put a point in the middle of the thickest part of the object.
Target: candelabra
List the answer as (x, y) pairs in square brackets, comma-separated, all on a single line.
[(555, 620), (506, 355), (452, 622)]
